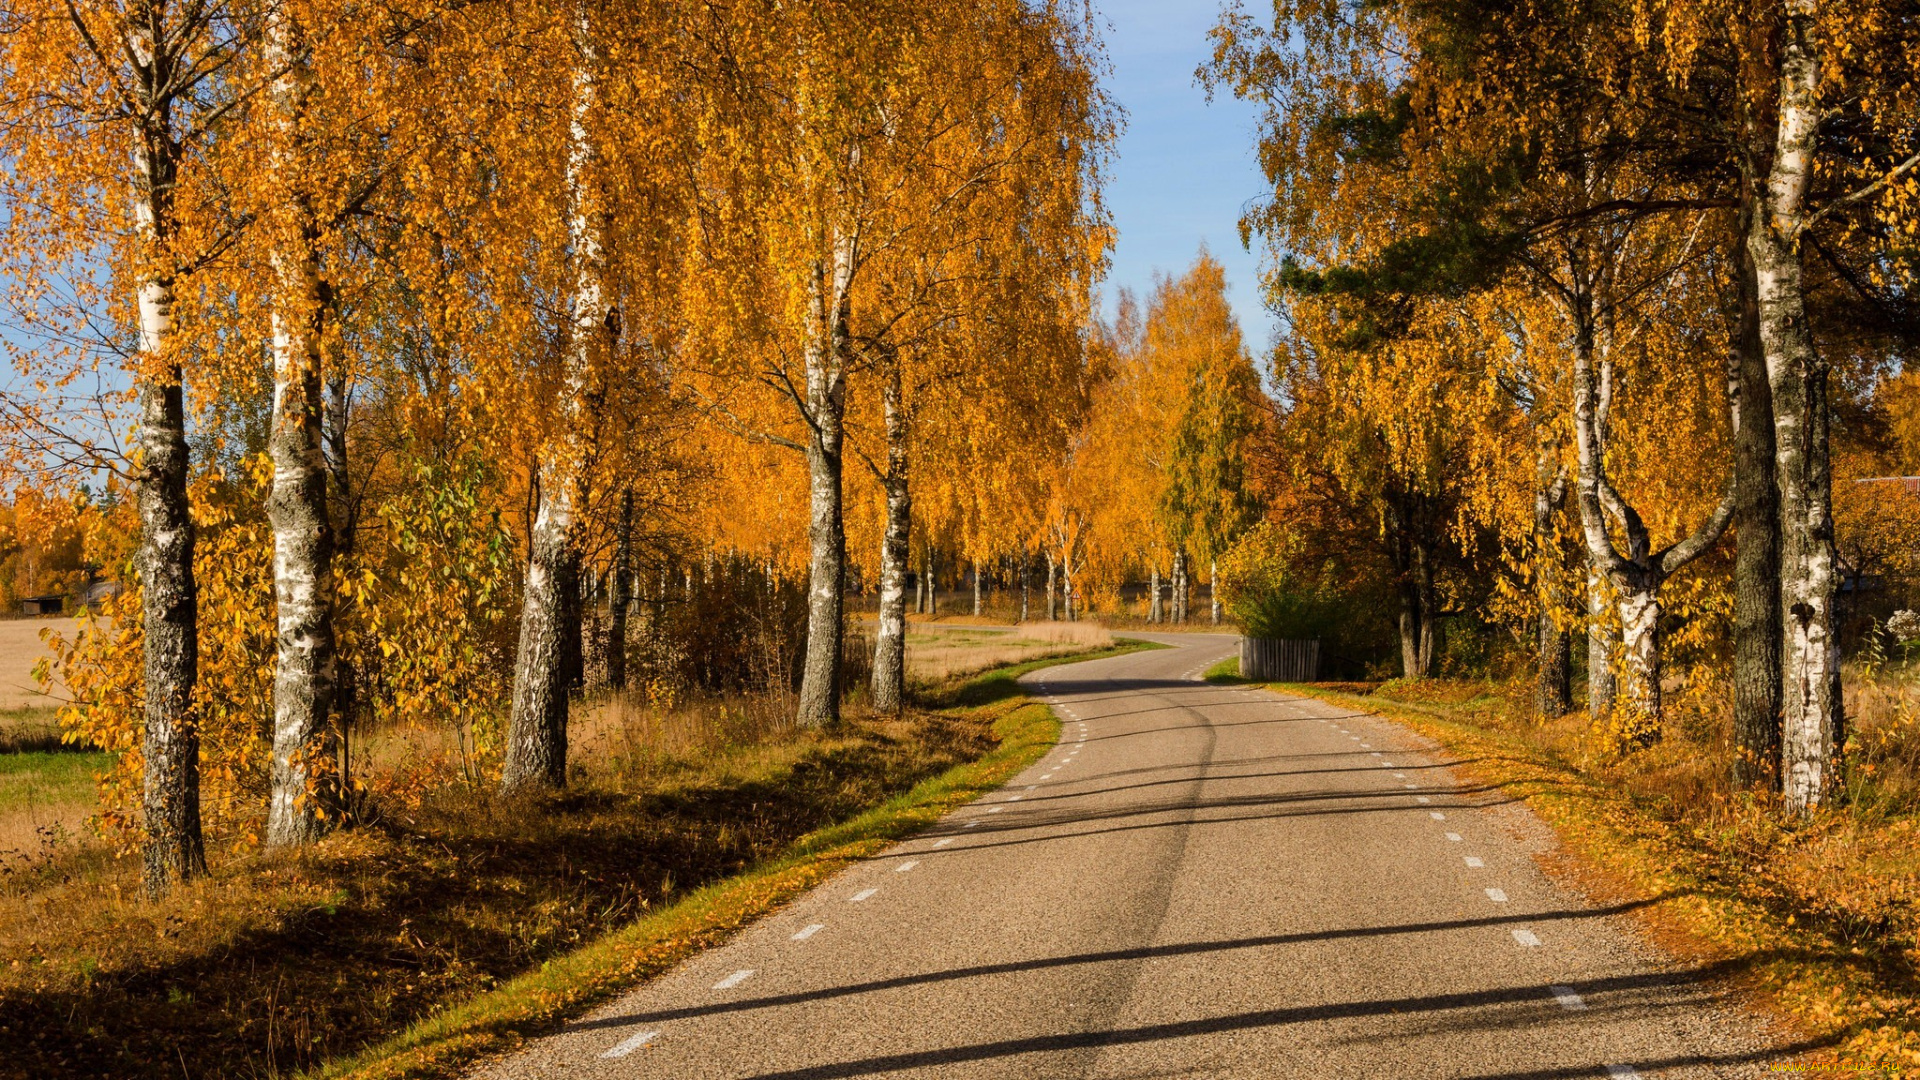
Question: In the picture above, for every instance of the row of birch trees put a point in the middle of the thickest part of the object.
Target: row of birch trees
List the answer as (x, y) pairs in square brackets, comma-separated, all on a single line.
[(1586, 291), (398, 330)]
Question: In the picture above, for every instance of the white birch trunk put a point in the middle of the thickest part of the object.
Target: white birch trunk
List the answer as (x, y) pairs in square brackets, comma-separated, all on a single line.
[(890, 640), (826, 373), (1812, 723), (305, 793), (169, 597), (549, 616), (1213, 590)]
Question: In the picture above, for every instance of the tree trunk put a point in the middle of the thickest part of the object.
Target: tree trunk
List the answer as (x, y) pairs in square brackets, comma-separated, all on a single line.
[(169, 598), (1812, 730), (890, 640), (547, 659), (1429, 607), (622, 596), (169, 611), (537, 733), (1640, 668), (1026, 582), (826, 371), (1756, 568), (572, 592), (1213, 590), (1553, 690), (1053, 608), (1553, 661), (976, 589), (1179, 585), (1153, 584), (1603, 635), (305, 788)]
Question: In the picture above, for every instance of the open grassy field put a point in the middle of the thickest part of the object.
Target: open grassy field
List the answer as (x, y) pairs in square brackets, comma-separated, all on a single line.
[(20, 649)]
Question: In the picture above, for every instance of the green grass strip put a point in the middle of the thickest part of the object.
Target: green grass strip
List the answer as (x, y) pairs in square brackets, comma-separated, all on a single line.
[(538, 1001)]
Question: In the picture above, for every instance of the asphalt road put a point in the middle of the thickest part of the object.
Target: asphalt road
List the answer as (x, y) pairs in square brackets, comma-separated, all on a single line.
[(1200, 881)]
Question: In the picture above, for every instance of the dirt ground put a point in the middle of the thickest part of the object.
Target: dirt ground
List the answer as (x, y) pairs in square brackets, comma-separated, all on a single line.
[(20, 649)]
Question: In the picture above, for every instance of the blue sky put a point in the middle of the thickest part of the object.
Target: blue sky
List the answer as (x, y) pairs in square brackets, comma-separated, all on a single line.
[(1185, 167)]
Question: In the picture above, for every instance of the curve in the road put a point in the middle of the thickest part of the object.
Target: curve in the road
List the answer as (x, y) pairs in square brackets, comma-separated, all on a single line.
[(1198, 881)]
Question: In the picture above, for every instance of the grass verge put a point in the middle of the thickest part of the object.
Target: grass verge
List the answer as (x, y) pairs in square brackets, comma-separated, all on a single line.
[(1224, 671), (1817, 916), (566, 985)]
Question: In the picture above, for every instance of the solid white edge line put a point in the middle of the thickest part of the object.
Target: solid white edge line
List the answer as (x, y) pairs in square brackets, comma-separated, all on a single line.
[(810, 930), (629, 1044)]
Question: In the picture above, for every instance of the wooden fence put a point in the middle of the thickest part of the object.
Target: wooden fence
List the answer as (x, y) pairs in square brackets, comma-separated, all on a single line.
[(1275, 660)]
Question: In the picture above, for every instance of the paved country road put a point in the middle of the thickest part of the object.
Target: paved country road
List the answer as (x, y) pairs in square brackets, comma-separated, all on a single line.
[(1200, 881)]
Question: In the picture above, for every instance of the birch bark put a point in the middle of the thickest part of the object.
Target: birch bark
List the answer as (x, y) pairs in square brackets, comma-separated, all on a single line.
[(826, 402), (305, 790), (174, 849), (1213, 590), (890, 640), (1812, 723), (549, 616), (1553, 686)]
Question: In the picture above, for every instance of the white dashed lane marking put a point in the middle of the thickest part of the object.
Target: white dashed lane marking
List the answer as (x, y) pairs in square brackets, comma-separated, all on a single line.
[(734, 979), (1527, 938), (1498, 896), (1568, 999), (1423, 800), (997, 809), (1622, 1072), (1452, 836), (629, 1044), (1474, 863), (861, 895), (943, 841), (811, 930), (906, 866)]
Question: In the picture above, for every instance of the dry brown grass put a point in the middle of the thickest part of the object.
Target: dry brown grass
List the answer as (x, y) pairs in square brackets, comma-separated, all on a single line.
[(278, 962), (20, 649), (1823, 910), (942, 652)]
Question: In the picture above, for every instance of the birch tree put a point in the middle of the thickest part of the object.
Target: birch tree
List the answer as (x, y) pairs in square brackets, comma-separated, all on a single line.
[(106, 119)]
